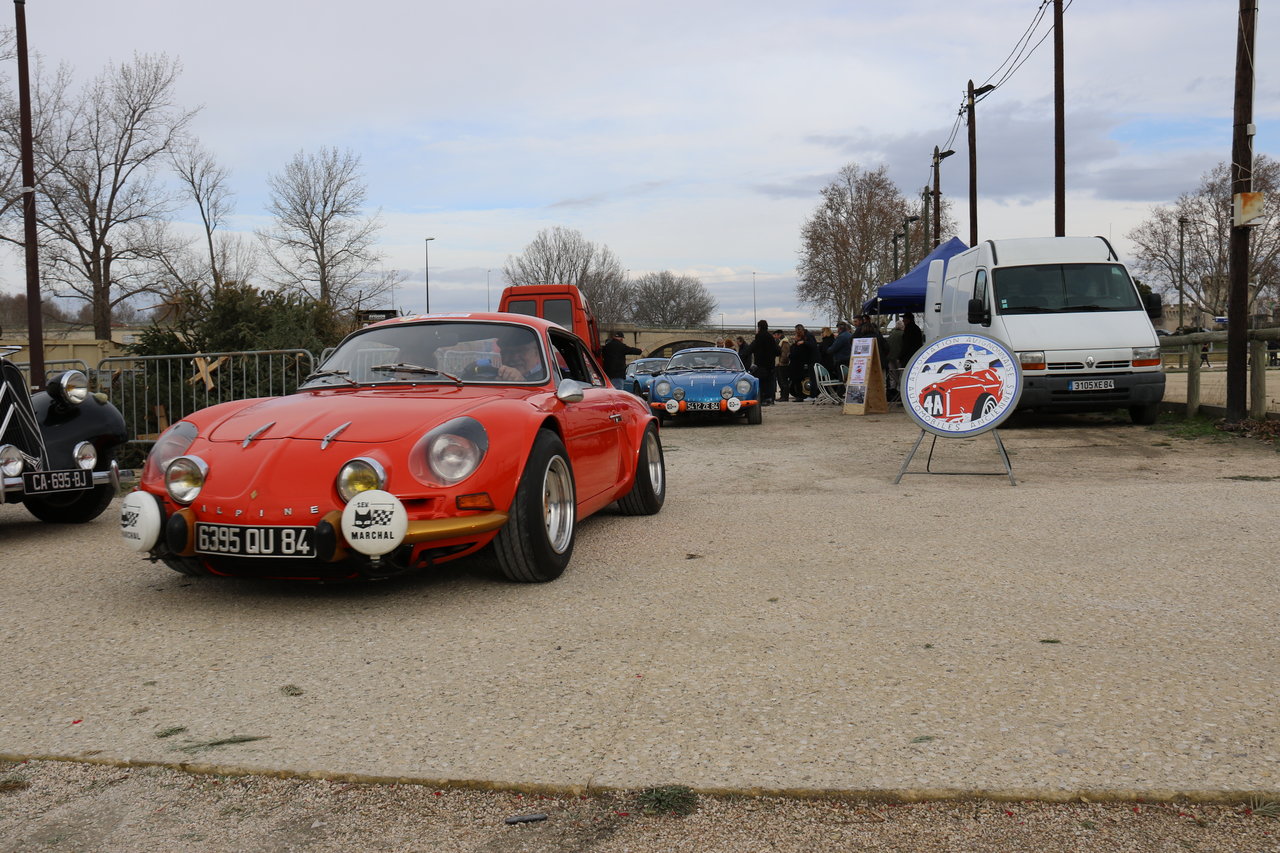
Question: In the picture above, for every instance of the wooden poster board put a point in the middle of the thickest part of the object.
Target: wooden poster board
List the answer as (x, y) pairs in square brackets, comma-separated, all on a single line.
[(864, 392)]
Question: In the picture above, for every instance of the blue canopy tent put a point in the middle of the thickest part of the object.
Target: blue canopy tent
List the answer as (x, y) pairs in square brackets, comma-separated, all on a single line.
[(907, 293)]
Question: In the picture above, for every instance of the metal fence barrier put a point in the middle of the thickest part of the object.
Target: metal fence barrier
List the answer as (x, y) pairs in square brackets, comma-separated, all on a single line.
[(52, 367), (154, 391)]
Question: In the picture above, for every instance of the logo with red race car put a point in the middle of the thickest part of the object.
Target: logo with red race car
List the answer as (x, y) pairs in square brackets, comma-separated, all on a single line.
[(961, 385)]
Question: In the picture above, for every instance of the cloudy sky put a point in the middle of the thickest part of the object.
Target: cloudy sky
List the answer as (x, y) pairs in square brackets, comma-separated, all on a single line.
[(693, 135)]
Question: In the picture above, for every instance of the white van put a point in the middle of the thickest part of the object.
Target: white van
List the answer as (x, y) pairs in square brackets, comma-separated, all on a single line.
[(1068, 308)]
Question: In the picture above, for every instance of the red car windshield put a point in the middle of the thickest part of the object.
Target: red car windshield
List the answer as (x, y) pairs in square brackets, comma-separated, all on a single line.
[(449, 351)]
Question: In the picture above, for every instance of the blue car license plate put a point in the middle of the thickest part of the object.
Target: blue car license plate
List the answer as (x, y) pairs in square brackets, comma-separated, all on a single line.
[(238, 540), (52, 482), (703, 407)]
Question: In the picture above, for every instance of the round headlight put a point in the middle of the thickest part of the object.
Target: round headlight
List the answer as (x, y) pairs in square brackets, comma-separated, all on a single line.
[(86, 455), (726, 392), (360, 475), (70, 387), (172, 443), (184, 478), (678, 394), (453, 457), (744, 387), (11, 463), (662, 388)]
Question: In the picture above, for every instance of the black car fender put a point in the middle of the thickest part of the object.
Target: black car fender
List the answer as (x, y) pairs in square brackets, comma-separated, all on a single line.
[(64, 426)]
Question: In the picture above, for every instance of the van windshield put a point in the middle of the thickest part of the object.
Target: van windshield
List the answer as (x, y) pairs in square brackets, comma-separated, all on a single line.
[(1063, 288)]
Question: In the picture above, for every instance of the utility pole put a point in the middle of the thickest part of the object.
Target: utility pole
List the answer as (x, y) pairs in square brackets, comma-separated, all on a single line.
[(938, 157), (1059, 129), (35, 324), (973, 163), (1241, 182)]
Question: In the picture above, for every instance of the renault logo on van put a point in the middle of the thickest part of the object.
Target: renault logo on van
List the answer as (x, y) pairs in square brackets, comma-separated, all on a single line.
[(1088, 362)]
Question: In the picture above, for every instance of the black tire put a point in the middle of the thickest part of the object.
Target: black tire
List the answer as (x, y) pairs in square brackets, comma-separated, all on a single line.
[(74, 507), (982, 407), (649, 490), (755, 414), (185, 566), (535, 544), (1144, 414)]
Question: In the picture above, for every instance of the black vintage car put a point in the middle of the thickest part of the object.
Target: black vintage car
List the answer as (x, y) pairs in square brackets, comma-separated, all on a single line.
[(57, 446)]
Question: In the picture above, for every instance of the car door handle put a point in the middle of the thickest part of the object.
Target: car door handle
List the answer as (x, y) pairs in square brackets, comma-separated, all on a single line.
[(616, 418)]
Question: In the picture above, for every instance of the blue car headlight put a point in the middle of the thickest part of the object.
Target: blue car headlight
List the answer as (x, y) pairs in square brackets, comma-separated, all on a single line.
[(726, 392), (678, 393), (744, 387), (661, 388)]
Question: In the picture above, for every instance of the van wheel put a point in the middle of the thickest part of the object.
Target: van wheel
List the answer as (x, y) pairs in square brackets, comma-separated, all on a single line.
[(985, 405), (535, 544), (1145, 414)]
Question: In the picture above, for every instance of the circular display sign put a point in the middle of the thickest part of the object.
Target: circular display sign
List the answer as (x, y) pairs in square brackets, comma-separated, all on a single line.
[(961, 385)]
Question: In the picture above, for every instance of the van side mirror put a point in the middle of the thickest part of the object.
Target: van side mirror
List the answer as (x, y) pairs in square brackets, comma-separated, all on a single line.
[(978, 313), (1153, 304)]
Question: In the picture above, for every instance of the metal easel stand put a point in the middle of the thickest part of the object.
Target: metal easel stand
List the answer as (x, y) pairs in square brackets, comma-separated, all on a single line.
[(929, 462)]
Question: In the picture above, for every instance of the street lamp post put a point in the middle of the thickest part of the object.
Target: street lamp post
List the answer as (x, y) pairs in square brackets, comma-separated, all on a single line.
[(753, 298), (1182, 268), (973, 163), (426, 273), (486, 289), (896, 238), (938, 157)]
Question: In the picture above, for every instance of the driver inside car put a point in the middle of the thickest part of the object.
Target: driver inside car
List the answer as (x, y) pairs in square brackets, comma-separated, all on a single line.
[(521, 360)]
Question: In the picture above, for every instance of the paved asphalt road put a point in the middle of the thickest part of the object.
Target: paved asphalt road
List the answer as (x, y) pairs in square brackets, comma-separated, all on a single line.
[(791, 621)]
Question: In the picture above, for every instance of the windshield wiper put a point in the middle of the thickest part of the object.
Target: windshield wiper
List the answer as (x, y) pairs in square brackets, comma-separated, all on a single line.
[(402, 367), (341, 374)]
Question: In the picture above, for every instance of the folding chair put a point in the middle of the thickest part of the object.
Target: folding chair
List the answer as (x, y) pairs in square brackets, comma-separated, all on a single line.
[(829, 390)]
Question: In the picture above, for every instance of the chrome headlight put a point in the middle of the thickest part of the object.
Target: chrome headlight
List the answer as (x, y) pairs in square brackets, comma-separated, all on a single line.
[(184, 478), (11, 463), (86, 455), (71, 387), (450, 453), (361, 474), (678, 393), (744, 387), (1146, 353), (662, 388), (726, 392)]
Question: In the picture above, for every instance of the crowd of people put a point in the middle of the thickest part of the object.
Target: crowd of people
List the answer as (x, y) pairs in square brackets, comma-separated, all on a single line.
[(784, 362)]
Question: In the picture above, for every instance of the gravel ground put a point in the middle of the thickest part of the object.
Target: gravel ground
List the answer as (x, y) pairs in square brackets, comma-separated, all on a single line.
[(64, 807), (832, 661)]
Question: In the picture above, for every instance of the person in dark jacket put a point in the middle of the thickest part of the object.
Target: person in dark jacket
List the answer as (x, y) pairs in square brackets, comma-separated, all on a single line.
[(840, 349), (744, 352), (912, 339), (615, 358), (764, 351), (804, 354)]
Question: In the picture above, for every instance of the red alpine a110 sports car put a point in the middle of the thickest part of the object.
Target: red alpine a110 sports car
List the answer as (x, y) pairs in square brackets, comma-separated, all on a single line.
[(419, 440)]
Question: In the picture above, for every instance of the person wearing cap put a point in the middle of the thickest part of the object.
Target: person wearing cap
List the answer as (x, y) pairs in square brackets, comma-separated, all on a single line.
[(615, 358)]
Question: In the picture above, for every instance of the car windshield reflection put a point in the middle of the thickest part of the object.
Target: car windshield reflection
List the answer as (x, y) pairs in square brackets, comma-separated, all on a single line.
[(705, 361), (435, 352)]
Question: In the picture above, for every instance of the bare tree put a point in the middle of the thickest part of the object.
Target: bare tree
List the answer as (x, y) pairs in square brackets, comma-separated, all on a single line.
[(206, 182), (666, 299), (1204, 234), (847, 244), (102, 196), (562, 255), (321, 243)]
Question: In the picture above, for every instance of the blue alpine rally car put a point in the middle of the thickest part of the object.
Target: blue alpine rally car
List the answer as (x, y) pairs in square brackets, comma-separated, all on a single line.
[(705, 381)]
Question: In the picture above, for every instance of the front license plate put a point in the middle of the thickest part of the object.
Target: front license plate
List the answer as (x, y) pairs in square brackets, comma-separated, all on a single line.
[(702, 407), (1092, 384), (49, 482), (244, 541)]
